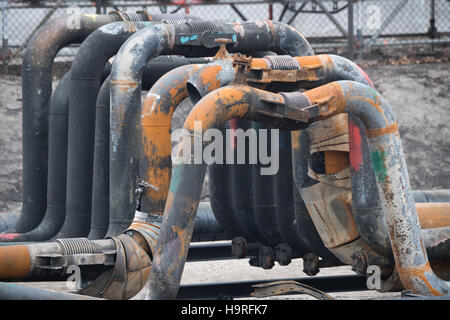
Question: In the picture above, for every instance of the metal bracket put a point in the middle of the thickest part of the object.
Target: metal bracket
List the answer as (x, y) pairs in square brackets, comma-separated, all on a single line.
[(282, 110), (282, 287), (222, 53), (269, 75), (59, 261)]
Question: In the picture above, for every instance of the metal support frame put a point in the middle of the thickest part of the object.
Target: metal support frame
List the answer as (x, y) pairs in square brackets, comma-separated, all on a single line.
[(350, 43), (5, 47), (241, 289), (332, 19), (386, 23), (239, 13)]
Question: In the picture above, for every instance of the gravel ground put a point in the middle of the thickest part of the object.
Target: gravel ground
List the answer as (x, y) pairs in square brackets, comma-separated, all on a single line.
[(418, 93)]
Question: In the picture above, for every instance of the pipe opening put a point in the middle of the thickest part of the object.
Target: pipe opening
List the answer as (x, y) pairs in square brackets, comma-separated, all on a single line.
[(193, 93)]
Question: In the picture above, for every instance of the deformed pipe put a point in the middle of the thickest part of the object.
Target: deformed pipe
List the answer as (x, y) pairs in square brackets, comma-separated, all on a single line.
[(391, 176)]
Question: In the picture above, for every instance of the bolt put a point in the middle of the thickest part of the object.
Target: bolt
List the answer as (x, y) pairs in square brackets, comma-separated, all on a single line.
[(239, 247), (266, 258), (283, 254), (311, 264), (359, 262)]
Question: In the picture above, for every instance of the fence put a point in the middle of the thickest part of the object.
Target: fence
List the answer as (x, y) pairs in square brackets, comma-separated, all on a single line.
[(355, 26)]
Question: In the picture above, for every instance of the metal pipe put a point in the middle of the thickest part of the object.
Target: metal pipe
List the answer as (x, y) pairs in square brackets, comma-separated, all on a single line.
[(156, 40), (57, 161), (391, 176), (9, 291), (100, 217), (113, 268), (212, 111), (36, 93), (315, 70), (157, 112), (86, 71), (367, 210)]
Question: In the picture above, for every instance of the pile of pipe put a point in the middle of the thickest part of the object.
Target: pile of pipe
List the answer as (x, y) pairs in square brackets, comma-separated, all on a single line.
[(100, 191)]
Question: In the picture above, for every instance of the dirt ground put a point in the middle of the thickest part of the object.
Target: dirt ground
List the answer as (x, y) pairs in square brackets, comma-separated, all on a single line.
[(418, 94)]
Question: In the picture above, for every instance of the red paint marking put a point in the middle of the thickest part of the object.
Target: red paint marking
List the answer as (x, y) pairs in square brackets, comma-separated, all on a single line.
[(233, 127), (9, 236), (365, 76), (354, 136)]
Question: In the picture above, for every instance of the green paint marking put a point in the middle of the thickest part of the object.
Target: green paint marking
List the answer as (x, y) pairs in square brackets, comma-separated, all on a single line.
[(380, 169), (176, 178)]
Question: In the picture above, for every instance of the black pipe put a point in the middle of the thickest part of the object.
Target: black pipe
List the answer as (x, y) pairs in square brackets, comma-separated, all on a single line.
[(243, 177), (87, 69), (36, 93), (57, 161), (220, 194), (100, 176), (265, 191), (240, 289)]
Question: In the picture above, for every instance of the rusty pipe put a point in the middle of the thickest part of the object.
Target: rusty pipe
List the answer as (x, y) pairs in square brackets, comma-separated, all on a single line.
[(391, 176), (36, 91), (299, 72), (178, 220), (190, 39), (100, 218), (113, 268), (307, 72), (157, 112), (366, 204)]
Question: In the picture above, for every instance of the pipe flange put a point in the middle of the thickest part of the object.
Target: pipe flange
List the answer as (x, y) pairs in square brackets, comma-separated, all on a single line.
[(283, 62)]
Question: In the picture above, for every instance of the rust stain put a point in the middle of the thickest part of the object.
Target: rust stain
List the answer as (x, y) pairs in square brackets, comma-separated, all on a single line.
[(335, 99), (15, 262), (335, 161), (433, 215), (373, 133), (410, 276), (125, 83)]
